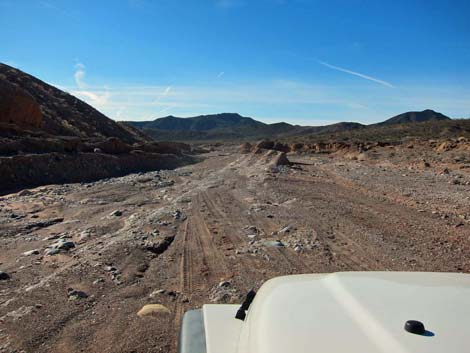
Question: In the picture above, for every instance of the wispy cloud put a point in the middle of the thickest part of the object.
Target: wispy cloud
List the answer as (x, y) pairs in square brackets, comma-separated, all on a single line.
[(220, 74), (166, 91), (358, 74), (98, 98), (271, 100), (79, 75)]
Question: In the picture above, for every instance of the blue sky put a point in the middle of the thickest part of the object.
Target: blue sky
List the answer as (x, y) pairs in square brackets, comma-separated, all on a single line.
[(306, 62)]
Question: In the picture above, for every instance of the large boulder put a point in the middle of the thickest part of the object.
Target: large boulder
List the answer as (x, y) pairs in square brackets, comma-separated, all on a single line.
[(113, 145), (281, 159), (18, 107), (265, 144), (246, 147)]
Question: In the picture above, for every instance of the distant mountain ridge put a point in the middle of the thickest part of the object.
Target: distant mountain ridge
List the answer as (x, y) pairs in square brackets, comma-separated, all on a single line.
[(209, 127), (199, 123), (415, 117), (234, 126)]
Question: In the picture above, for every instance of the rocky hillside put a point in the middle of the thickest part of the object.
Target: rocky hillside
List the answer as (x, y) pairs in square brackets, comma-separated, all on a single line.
[(415, 117), (48, 136), (31, 104)]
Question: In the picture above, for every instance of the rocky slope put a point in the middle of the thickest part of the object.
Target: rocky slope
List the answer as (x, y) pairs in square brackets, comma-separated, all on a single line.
[(48, 136), (30, 103)]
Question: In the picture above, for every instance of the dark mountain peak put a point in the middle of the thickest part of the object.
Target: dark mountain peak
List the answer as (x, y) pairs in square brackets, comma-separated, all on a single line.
[(198, 123), (281, 124), (415, 117)]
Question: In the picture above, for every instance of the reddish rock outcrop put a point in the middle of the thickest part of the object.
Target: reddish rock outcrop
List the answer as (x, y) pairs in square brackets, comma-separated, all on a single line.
[(18, 107)]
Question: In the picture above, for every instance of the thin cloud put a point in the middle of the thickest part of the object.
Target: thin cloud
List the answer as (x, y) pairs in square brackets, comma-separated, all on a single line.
[(79, 75), (96, 98), (220, 74), (166, 91), (162, 95), (358, 74)]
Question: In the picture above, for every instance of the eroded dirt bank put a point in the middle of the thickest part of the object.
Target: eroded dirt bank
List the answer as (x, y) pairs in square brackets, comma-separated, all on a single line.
[(82, 259)]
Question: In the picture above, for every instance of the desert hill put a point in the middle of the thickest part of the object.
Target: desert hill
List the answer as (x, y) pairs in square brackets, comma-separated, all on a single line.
[(232, 126), (49, 136), (415, 117), (32, 104)]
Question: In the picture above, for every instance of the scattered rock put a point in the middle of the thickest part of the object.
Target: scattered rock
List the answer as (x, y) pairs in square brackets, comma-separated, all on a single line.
[(43, 224), (142, 267), (25, 192), (178, 215), (85, 235), (116, 213), (62, 244), (51, 252), (18, 314), (286, 229), (52, 237), (445, 171), (98, 281), (184, 199), (160, 246), (224, 284), (153, 309), (156, 293), (280, 160), (223, 293), (74, 294), (273, 243), (4, 276), (246, 147), (31, 252)]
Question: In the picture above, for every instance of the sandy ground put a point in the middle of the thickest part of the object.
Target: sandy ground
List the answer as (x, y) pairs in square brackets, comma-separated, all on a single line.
[(208, 233)]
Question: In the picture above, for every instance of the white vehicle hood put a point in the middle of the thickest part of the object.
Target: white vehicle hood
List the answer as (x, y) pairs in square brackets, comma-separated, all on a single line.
[(355, 312)]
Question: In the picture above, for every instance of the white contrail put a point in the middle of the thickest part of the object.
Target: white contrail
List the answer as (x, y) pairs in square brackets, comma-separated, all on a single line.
[(384, 83), (220, 74), (163, 94)]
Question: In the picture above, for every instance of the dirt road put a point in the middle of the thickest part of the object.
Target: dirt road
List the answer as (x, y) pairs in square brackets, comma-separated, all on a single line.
[(208, 233)]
